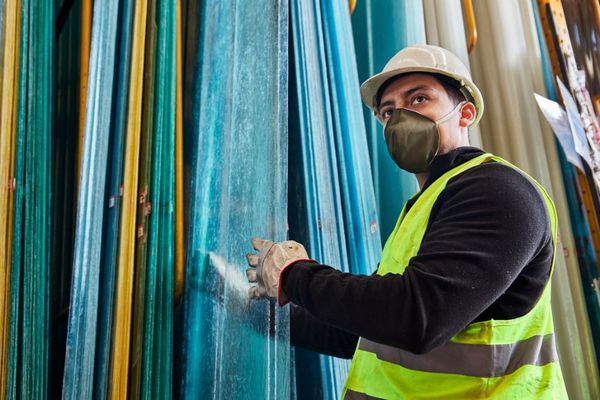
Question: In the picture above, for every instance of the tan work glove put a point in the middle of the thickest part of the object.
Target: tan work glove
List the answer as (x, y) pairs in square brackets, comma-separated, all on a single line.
[(268, 264)]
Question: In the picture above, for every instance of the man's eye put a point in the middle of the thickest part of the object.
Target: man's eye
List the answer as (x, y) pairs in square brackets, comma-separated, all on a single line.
[(419, 99), (386, 114)]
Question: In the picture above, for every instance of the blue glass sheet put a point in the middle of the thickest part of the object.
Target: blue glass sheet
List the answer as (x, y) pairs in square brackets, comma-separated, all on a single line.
[(338, 204), (236, 155), (112, 204), (324, 217), (81, 335), (363, 242), (381, 29)]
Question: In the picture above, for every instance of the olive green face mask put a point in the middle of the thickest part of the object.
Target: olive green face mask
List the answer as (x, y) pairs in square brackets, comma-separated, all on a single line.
[(413, 139)]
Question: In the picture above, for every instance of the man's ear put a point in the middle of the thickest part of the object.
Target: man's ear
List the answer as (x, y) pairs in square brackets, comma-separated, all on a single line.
[(468, 112)]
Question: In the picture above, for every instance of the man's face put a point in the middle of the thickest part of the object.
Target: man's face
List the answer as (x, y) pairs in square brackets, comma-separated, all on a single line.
[(424, 94)]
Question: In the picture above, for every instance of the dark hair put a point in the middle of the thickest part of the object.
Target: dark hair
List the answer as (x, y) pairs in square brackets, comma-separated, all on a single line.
[(451, 86)]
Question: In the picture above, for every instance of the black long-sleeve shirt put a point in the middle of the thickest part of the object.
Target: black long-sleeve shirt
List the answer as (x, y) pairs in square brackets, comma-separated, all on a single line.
[(486, 254)]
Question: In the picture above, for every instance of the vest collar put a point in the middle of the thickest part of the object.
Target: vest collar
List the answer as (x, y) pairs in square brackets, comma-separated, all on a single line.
[(445, 162)]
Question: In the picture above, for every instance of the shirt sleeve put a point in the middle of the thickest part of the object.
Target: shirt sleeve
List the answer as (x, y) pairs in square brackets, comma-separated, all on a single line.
[(489, 224), (310, 333)]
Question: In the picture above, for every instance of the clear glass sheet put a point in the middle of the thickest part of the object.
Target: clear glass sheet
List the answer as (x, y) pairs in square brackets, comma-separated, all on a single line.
[(236, 155), (81, 335)]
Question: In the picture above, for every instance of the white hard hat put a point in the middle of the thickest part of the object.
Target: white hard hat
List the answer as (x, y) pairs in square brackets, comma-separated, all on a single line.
[(428, 59)]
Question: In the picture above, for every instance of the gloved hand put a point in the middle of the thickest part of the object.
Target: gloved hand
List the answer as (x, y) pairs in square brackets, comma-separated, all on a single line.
[(268, 264)]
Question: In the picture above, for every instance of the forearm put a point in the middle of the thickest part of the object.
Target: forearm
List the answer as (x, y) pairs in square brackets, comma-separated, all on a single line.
[(359, 305)]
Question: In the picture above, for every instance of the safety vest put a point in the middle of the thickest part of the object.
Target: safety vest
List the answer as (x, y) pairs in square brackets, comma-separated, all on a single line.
[(496, 359)]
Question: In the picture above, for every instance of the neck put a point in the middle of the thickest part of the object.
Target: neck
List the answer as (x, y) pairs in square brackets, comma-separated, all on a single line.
[(422, 178)]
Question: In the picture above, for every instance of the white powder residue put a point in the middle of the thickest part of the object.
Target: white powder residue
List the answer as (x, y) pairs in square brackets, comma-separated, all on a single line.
[(234, 278)]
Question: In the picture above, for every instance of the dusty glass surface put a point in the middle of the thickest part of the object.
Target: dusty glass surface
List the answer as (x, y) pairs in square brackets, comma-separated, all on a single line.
[(236, 155)]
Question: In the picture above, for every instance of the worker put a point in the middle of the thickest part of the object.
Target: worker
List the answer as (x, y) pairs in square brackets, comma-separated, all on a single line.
[(459, 307)]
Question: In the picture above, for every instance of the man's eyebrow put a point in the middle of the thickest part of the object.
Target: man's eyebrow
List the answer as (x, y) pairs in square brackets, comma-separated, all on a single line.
[(386, 103), (417, 88)]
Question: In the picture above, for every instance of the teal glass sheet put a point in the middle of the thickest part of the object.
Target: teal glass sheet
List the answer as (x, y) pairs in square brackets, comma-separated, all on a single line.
[(236, 159), (381, 29), (83, 312), (28, 366), (157, 345), (332, 199)]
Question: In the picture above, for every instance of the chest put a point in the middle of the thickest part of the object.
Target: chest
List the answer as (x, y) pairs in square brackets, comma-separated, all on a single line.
[(406, 238)]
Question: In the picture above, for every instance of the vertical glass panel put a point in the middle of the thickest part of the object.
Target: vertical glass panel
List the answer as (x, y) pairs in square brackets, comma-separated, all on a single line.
[(332, 202), (381, 29), (236, 156)]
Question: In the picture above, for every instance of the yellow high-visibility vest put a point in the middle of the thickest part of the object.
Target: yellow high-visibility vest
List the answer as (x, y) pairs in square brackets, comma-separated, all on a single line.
[(495, 359)]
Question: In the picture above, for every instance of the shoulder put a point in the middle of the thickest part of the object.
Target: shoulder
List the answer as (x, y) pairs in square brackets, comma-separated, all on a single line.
[(499, 191), (493, 180)]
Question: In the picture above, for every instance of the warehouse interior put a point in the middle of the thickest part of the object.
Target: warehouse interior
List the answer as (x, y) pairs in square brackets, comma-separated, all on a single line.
[(144, 143)]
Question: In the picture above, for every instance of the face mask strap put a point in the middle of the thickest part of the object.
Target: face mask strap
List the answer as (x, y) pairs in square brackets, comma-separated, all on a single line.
[(450, 114)]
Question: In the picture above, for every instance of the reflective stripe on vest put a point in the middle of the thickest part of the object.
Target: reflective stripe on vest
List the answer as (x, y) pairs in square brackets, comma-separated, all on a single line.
[(352, 395), (479, 360), (500, 359)]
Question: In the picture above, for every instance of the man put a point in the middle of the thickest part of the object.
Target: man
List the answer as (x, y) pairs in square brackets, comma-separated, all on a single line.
[(459, 307)]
